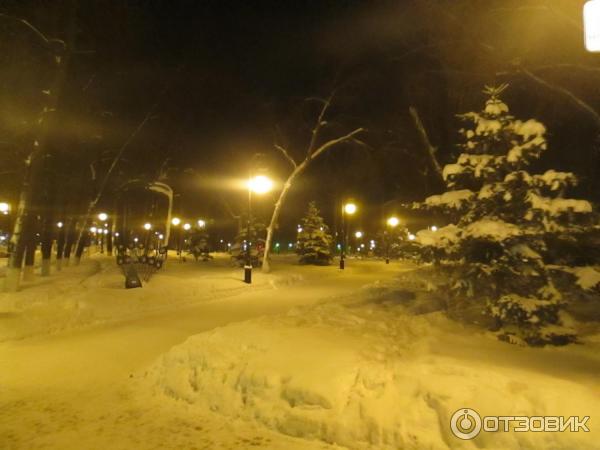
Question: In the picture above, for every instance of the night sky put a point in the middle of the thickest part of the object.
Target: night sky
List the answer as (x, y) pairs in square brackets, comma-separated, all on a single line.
[(227, 79)]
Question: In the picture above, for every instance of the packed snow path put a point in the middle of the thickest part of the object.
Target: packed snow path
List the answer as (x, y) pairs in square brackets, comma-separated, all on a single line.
[(75, 389)]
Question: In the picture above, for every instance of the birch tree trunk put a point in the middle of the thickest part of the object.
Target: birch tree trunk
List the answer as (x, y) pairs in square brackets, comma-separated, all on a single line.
[(266, 267), (17, 240), (311, 155)]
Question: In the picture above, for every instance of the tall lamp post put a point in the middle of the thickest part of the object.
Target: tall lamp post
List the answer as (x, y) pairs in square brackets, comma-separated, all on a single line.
[(103, 217), (392, 223), (176, 221), (259, 184), (347, 209)]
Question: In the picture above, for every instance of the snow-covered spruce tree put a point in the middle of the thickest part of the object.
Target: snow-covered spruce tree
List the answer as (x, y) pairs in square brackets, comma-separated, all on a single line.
[(256, 238), (505, 219), (314, 241)]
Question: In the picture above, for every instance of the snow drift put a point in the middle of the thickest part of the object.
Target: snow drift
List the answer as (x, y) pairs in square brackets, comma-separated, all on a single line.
[(370, 374)]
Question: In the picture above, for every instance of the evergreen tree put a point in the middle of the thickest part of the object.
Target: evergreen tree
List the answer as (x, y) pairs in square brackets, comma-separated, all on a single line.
[(314, 241), (506, 222), (256, 240), (198, 243)]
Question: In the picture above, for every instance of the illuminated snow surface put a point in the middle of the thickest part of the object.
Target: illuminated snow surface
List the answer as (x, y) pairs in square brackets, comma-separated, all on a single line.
[(305, 358)]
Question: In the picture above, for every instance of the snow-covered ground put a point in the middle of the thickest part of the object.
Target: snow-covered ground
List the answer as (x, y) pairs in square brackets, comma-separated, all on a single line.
[(381, 370), (306, 358), (79, 388)]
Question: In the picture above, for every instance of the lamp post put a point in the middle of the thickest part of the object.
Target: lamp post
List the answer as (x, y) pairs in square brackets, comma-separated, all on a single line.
[(392, 223), (176, 221), (259, 184), (348, 208)]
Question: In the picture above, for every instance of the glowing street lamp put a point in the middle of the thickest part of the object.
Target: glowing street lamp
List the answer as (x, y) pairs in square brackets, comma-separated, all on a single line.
[(175, 221), (59, 224), (259, 184), (4, 208), (434, 228), (358, 234), (350, 208), (187, 226), (201, 223), (147, 226), (591, 22), (93, 229), (411, 237), (347, 209), (102, 217), (392, 223)]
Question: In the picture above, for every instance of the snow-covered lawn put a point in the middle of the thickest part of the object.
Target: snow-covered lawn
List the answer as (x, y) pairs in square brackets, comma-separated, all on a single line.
[(93, 293), (78, 389), (305, 358), (376, 370)]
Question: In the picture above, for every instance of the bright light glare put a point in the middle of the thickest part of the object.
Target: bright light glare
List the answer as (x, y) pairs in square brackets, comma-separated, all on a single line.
[(186, 226), (175, 221), (160, 236), (59, 224), (147, 226), (93, 229), (358, 234), (434, 228), (4, 207), (411, 237), (260, 184), (102, 216), (591, 21), (393, 221), (349, 208), (201, 223)]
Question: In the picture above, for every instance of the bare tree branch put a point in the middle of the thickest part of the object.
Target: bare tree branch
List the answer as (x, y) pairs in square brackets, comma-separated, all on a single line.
[(429, 149), (561, 91), (320, 123), (581, 67), (336, 141), (286, 154)]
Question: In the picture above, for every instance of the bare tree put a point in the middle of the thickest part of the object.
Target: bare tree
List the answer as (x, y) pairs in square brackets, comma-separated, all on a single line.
[(429, 149), (313, 151)]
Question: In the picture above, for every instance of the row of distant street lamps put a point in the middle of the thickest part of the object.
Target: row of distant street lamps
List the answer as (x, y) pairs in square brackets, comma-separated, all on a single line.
[(349, 209)]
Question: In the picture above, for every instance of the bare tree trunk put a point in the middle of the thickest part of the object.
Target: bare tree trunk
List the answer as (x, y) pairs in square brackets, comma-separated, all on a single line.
[(266, 267), (30, 248), (430, 150), (47, 241), (80, 244), (311, 155), (17, 240), (70, 235), (60, 246), (113, 165)]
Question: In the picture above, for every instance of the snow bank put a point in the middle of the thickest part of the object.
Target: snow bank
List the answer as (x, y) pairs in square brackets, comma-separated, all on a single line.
[(370, 375)]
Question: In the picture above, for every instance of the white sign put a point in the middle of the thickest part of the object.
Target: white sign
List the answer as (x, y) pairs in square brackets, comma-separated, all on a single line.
[(591, 21)]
